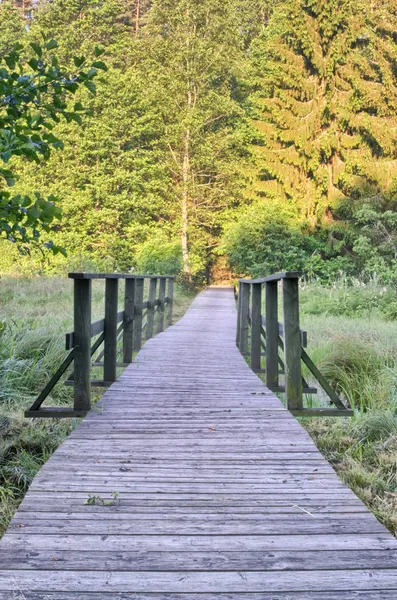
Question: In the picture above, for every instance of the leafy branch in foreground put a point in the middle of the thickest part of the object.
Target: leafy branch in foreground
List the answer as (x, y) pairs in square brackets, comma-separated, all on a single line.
[(34, 95)]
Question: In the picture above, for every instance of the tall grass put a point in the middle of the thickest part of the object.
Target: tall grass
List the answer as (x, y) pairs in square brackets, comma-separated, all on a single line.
[(35, 314), (357, 351)]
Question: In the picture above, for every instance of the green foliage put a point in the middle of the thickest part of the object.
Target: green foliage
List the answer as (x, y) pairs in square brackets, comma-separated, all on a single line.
[(33, 97), (376, 243), (24, 448), (351, 299), (159, 255), (325, 110), (348, 366), (95, 500), (358, 353), (266, 239), (209, 106), (326, 89), (194, 57), (12, 27)]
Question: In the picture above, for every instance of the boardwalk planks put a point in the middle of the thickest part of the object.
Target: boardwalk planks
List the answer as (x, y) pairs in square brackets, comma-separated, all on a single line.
[(222, 494)]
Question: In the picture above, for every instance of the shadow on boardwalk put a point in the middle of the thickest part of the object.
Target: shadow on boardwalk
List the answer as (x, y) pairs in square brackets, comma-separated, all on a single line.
[(222, 494)]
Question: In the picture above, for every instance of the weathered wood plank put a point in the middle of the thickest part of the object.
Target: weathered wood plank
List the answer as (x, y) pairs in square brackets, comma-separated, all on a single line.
[(202, 582), (199, 561), (338, 595), (208, 543)]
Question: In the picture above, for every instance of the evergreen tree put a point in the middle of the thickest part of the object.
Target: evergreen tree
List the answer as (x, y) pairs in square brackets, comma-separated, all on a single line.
[(11, 27), (327, 105)]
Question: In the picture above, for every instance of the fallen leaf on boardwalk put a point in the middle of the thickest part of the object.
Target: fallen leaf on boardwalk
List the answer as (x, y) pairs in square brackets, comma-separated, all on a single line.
[(212, 428)]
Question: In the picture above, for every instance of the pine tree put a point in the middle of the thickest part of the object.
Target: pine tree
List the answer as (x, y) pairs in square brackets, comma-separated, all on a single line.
[(327, 104), (11, 27)]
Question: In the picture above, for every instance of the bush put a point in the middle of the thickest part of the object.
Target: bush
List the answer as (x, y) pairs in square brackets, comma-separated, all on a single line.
[(159, 256), (265, 239)]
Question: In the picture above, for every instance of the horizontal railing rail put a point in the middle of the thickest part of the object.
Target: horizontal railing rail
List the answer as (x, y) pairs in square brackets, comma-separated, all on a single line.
[(139, 319), (263, 336)]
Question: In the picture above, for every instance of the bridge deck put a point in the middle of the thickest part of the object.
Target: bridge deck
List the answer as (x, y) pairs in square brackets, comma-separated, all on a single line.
[(223, 495)]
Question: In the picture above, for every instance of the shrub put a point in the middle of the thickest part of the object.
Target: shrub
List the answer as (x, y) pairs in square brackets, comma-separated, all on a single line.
[(265, 239), (159, 256)]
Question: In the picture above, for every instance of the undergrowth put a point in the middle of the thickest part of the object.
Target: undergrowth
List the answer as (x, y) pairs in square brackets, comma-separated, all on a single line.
[(356, 349)]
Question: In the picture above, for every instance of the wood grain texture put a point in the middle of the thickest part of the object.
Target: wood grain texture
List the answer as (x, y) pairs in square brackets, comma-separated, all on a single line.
[(110, 350), (82, 357), (222, 494)]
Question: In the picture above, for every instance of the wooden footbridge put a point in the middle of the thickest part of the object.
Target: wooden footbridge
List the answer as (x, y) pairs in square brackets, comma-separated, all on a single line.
[(190, 481)]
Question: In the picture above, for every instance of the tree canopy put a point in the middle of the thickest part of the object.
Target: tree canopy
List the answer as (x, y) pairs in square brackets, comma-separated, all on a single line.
[(222, 126)]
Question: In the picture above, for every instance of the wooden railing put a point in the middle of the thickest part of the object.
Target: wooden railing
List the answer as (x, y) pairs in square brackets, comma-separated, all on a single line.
[(139, 319), (262, 336)]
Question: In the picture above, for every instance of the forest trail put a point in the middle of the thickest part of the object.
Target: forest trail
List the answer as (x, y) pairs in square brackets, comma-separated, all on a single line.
[(219, 493)]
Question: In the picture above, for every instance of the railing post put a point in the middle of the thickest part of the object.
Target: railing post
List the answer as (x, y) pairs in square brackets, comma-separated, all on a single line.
[(151, 307), (110, 350), (272, 334), (138, 310), (292, 344), (170, 294), (82, 337), (244, 317), (160, 324), (128, 332), (238, 315), (256, 317)]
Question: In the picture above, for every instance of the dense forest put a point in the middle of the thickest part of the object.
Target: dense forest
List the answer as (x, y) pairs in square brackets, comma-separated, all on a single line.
[(226, 137)]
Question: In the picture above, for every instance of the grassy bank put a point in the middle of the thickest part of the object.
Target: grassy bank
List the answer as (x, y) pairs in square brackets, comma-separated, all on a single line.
[(353, 339), (34, 316)]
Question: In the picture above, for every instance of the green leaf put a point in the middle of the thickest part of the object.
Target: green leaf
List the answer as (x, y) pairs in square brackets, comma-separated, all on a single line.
[(33, 63), (72, 86), (37, 49), (90, 85), (62, 251), (6, 155), (73, 117), (78, 106), (8, 176), (10, 61), (99, 51), (99, 64), (91, 73), (78, 61), (51, 45)]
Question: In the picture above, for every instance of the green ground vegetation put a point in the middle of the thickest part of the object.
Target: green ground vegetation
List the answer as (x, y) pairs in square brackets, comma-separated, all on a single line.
[(354, 343), (35, 314)]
